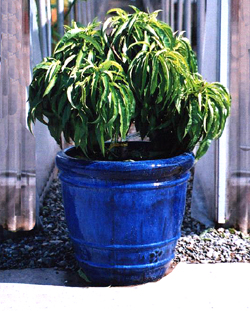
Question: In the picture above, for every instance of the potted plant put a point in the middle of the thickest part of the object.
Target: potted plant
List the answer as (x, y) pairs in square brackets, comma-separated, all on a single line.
[(124, 200)]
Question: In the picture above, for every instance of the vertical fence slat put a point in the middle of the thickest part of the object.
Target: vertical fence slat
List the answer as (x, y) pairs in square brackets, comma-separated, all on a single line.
[(77, 11), (84, 12), (91, 10), (200, 29), (71, 13), (60, 17), (89, 13), (180, 15), (0, 45), (49, 35), (42, 27), (165, 10), (148, 6), (81, 12), (171, 9), (187, 19)]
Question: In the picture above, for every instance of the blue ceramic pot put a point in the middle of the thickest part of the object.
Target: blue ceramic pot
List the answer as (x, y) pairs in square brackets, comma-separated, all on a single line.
[(124, 218)]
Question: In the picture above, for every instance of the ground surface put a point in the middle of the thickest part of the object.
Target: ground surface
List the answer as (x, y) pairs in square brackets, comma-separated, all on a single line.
[(50, 247)]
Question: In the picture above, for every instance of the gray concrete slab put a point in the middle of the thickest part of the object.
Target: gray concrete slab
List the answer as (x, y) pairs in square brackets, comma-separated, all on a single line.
[(42, 277), (188, 287)]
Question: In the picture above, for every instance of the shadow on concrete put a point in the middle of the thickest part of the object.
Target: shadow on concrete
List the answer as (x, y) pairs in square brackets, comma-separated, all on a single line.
[(43, 277), (50, 276)]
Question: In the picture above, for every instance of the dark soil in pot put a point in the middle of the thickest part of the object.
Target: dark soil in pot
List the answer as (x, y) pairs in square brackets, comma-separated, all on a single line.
[(127, 151)]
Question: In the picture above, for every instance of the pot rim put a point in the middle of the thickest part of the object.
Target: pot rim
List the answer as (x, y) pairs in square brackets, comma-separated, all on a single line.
[(175, 165)]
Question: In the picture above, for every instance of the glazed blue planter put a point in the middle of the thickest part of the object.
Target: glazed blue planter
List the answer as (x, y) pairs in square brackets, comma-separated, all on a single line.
[(124, 218)]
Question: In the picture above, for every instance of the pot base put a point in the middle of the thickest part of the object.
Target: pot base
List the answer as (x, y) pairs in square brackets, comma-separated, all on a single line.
[(121, 277), (124, 264)]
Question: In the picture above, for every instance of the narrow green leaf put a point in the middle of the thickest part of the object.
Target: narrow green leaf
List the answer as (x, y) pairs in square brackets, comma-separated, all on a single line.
[(154, 80), (95, 80), (67, 61), (119, 31), (69, 95), (117, 11), (63, 47), (79, 59), (66, 115), (144, 73), (99, 130), (50, 85), (94, 42)]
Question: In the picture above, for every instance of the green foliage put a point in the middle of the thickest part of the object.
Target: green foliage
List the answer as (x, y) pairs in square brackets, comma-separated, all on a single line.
[(133, 68)]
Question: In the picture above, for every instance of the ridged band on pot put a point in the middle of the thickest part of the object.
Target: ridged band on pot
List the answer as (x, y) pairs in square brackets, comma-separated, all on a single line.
[(124, 218)]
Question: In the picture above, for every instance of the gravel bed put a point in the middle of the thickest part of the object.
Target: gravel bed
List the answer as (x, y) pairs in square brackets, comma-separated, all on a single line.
[(51, 247), (199, 244)]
